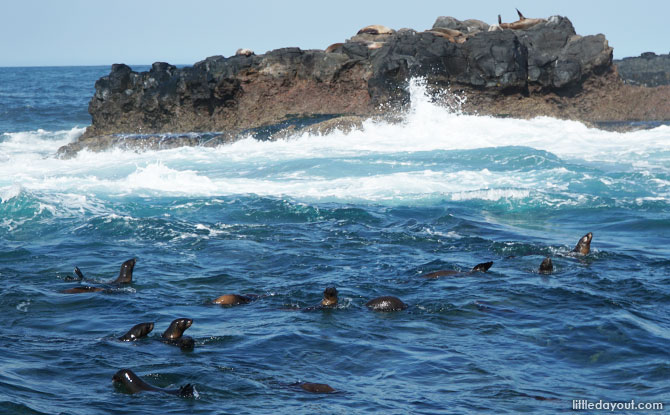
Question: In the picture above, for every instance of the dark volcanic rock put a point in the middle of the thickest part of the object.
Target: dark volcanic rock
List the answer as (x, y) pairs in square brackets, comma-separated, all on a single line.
[(648, 69), (364, 76)]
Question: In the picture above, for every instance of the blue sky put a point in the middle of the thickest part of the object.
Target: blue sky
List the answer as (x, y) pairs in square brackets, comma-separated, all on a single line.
[(93, 32)]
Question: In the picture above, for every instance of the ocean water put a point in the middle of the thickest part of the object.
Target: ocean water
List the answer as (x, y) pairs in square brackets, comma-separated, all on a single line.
[(368, 212)]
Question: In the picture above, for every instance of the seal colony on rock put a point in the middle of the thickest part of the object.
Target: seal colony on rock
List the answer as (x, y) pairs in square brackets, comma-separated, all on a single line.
[(518, 73), (483, 267), (137, 332), (134, 384), (125, 277)]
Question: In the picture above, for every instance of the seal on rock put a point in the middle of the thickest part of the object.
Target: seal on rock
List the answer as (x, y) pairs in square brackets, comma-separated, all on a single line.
[(376, 29), (546, 267), (134, 384), (125, 277), (452, 35), (483, 267), (137, 332), (232, 299), (584, 245), (244, 52), (522, 24), (174, 334), (386, 303), (334, 48)]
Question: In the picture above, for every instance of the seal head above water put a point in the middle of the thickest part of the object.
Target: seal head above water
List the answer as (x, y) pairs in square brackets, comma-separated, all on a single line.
[(546, 267), (584, 245), (134, 384), (177, 328), (329, 297), (174, 334)]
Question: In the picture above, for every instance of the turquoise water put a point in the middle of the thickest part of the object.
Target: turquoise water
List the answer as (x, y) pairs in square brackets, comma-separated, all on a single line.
[(367, 212)]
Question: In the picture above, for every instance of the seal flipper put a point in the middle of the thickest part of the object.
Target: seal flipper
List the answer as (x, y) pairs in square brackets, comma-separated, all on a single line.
[(483, 267), (186, 391), (137, 332), (520, 15), (126, 272), (499, 20), (78, 273)]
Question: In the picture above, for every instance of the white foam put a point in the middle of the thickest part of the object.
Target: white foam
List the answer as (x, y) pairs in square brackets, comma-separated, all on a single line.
[(382, 163)]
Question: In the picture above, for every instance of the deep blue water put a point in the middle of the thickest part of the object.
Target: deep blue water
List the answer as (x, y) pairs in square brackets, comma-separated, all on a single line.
[(369, 213)]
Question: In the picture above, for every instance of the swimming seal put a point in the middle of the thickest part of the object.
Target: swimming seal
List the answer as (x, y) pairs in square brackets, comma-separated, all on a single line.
[(125, 277), (316, 387), (174, 334), (134, 384), (483, 267), (82, 289), (232, 299), (329, 300), (584, 245), (546, 267), (386, 303), (137, 332), (329, 297)]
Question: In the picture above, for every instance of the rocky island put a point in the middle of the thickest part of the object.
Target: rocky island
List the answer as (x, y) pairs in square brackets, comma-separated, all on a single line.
[(523, 69)]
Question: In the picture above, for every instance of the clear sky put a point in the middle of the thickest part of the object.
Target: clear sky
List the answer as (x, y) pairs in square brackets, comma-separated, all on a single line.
[(94, 32)]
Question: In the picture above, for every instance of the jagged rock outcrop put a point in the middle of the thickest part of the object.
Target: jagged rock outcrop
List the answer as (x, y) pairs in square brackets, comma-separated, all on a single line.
[(363, 76), (648, 69)]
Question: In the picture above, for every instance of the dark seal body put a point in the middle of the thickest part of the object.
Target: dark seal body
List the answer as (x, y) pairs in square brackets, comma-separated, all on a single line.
[(386, 303), (82, 289), (483, 267), (584, 245), (137, 332), (232, 299), (134, 384), (317, 387)]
